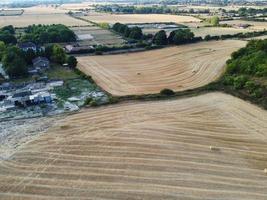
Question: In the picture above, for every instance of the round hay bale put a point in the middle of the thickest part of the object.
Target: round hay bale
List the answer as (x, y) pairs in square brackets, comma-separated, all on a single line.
[(265, 170), (213, 148)]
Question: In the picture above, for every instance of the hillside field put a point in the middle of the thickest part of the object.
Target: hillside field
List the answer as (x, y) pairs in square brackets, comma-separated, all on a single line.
[(212, 146), (178, 68)]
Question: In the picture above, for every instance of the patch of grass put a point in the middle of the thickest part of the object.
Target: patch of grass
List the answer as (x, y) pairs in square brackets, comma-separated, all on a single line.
[(59, 72)]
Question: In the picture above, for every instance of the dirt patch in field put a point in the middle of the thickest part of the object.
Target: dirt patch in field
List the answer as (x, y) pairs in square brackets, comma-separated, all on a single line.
[(178, 68)]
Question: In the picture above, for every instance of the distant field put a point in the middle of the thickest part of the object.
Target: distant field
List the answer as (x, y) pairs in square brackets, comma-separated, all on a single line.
[(40, 15), (138, 18), (146, 150), (256, 26), (178, 68), (100, 36), (203, 31), (76, 6), (10, 12)]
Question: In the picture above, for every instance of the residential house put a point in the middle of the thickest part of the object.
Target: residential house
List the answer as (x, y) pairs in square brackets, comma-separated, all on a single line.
[(41, 63), (27, 46)]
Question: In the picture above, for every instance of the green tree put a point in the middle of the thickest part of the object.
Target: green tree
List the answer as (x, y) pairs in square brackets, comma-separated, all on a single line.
[(9, 29), (14, 63), (160, 38), (58, 54), (136, 33), (214, 21), (29, 56), (180, 36), (72, 61), (2, 49)]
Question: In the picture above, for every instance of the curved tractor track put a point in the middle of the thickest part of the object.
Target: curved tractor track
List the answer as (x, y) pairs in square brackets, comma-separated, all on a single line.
[(213, 146), (178, 68)]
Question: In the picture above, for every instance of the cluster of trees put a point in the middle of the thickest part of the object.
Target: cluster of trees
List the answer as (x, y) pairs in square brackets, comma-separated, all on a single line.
[(247, 69), (179, 36), (133, 32), (16, 62), (251, 11), (7, 35), (42, 34)]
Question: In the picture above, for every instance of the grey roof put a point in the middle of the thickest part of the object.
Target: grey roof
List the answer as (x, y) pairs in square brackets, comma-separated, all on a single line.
[(22, 94), (38, 59), (27, 45)]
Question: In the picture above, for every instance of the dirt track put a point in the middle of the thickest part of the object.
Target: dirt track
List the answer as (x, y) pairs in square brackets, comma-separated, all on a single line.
[(151, 150), (178, 68)]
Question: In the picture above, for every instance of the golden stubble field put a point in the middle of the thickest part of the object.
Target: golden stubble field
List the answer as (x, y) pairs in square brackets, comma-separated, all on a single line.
[(212, 146), (178, 68), (138, 18)]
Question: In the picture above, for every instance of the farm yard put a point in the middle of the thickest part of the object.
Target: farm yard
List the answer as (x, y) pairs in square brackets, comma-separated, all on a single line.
[(205, 147), (138, 18), (93, 35), (40, 15), (178, 68)]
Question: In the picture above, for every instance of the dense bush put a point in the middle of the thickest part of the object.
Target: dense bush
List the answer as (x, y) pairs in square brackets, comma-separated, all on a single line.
[(167, 92), (7, 35)]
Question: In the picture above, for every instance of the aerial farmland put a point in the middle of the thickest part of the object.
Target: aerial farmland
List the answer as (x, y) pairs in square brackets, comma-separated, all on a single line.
[(133, 100)]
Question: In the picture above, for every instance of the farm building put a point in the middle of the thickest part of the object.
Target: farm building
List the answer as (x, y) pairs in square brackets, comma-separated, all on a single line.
[(75, 48)]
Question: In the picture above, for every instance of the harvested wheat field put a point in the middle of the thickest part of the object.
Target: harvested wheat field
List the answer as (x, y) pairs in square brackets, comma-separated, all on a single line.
[(138, 18), (178, 68), (40, 15), (212, 146)]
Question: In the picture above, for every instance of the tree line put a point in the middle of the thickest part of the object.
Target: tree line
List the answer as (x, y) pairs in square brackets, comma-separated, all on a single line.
[(41, 34), (146, 9), (247, 70)]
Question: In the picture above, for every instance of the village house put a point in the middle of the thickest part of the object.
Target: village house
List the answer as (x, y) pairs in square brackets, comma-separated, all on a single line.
[(40, 63), (27, 46)]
